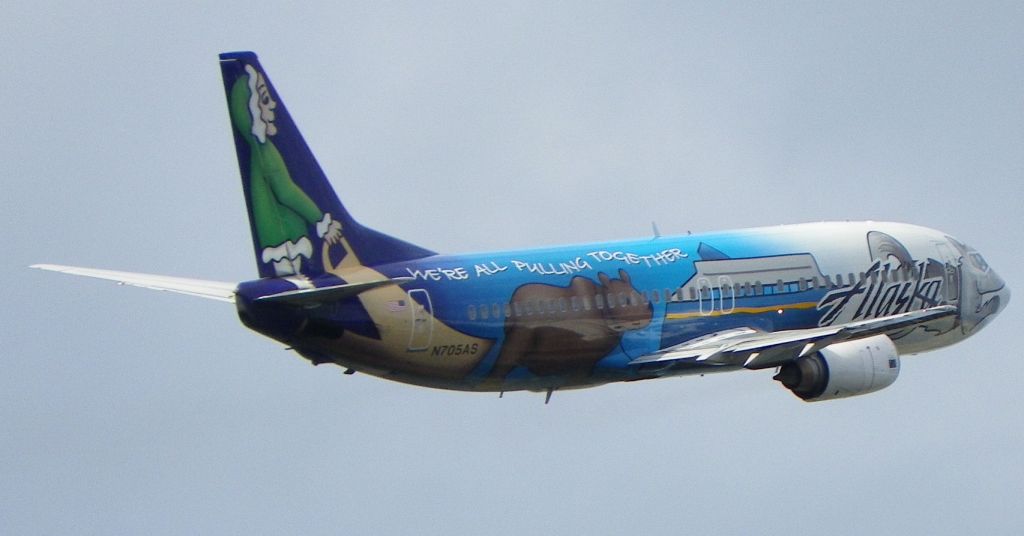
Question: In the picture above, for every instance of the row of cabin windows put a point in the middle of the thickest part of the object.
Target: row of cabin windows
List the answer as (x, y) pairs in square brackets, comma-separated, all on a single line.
[(802, 284), (739, 290), (541, 307)]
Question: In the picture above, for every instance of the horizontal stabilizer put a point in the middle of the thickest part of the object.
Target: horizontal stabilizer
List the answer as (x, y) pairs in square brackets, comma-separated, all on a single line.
[(313, 296), (746, 347), (214, 290)]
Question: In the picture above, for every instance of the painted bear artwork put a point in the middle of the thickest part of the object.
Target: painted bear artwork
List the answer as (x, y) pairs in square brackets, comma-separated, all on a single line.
[(566, 330)]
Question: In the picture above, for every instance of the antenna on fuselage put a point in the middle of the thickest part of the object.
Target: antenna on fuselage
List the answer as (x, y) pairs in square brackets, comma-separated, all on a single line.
[(654, 227)]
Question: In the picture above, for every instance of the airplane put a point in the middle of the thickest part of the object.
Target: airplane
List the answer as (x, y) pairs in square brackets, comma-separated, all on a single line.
[(830, 306)]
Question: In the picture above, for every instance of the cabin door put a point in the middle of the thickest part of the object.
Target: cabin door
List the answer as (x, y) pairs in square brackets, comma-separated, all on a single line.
[(951, 275), (422, 320)]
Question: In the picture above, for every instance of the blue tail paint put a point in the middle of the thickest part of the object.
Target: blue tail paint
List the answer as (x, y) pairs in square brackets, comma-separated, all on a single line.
[(299, 225)]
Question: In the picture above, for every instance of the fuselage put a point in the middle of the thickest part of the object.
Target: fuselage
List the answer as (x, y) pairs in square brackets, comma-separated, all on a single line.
[(576, 316)]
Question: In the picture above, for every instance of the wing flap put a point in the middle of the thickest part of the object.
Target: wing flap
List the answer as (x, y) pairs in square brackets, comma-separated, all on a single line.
[(213, 290), (754, 349)]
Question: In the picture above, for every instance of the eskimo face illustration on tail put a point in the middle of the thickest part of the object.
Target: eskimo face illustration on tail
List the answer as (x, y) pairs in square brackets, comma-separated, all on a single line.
[(565, 331), (283, 216)]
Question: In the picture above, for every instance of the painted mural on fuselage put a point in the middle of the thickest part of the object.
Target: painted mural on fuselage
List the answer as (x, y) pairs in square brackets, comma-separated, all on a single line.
[(552, 302)]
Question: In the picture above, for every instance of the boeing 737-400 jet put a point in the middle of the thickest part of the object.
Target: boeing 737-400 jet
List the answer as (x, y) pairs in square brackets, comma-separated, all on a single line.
[(831, 306)]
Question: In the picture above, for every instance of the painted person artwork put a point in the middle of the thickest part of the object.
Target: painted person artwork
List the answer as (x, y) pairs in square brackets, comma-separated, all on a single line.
[(283, 214)]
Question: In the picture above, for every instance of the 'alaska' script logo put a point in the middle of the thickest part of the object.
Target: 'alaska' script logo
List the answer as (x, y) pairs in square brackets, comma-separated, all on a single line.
[(875, 297)]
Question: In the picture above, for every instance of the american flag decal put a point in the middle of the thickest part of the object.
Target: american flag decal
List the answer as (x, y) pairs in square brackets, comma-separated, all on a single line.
[(396, 306)]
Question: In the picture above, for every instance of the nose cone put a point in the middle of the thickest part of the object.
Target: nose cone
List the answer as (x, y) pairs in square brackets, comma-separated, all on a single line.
[(996, 287), (984, 296), (1004, 298)]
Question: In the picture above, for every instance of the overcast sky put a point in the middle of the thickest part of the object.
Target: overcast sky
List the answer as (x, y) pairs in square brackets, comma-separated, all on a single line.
[(461, 127)]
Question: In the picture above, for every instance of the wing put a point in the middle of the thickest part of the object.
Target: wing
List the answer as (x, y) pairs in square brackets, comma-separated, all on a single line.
[(749, 348), (214, 290), (223, 291)]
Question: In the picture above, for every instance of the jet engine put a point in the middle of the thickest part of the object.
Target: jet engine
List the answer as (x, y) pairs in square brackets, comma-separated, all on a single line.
[(843, 369)]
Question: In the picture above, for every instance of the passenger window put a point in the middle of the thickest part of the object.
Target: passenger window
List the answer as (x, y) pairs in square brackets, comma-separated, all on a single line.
[(692, 294), (758, 289), (471, 312), (826, 282), (655, 297), (484, 312), (496, 311), (599, 301), (780, 287), (562, 306), (611, 301), (814, 281), (586, 303), (508, 310), (839, 280), (850, 280), (575, 303)]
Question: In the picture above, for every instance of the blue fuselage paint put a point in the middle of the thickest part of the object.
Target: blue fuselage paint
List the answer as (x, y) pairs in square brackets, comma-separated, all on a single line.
[(577, 316)]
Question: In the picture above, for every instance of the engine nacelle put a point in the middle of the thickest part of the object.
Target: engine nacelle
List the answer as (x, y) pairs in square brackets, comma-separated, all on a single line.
[(843, 369)]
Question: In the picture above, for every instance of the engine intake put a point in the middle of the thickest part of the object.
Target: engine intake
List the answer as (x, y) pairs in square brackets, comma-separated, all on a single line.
[(843, 369)]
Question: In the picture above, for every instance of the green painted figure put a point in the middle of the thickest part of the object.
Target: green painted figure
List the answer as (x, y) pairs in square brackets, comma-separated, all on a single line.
[(281, 212)]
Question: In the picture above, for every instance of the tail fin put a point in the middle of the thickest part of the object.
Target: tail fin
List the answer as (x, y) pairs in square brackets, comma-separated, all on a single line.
[(299, 225)]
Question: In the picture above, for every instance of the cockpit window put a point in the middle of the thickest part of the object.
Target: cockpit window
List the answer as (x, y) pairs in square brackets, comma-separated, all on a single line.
[(978, 261)]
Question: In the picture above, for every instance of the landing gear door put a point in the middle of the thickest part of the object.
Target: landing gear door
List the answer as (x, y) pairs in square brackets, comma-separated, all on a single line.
[(422, 320)]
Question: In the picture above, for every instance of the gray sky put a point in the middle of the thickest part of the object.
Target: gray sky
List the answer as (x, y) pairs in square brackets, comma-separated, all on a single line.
[(461, 127)]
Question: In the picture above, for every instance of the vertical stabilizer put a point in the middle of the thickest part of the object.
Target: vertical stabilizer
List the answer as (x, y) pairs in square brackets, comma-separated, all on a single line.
[(299, 225)]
